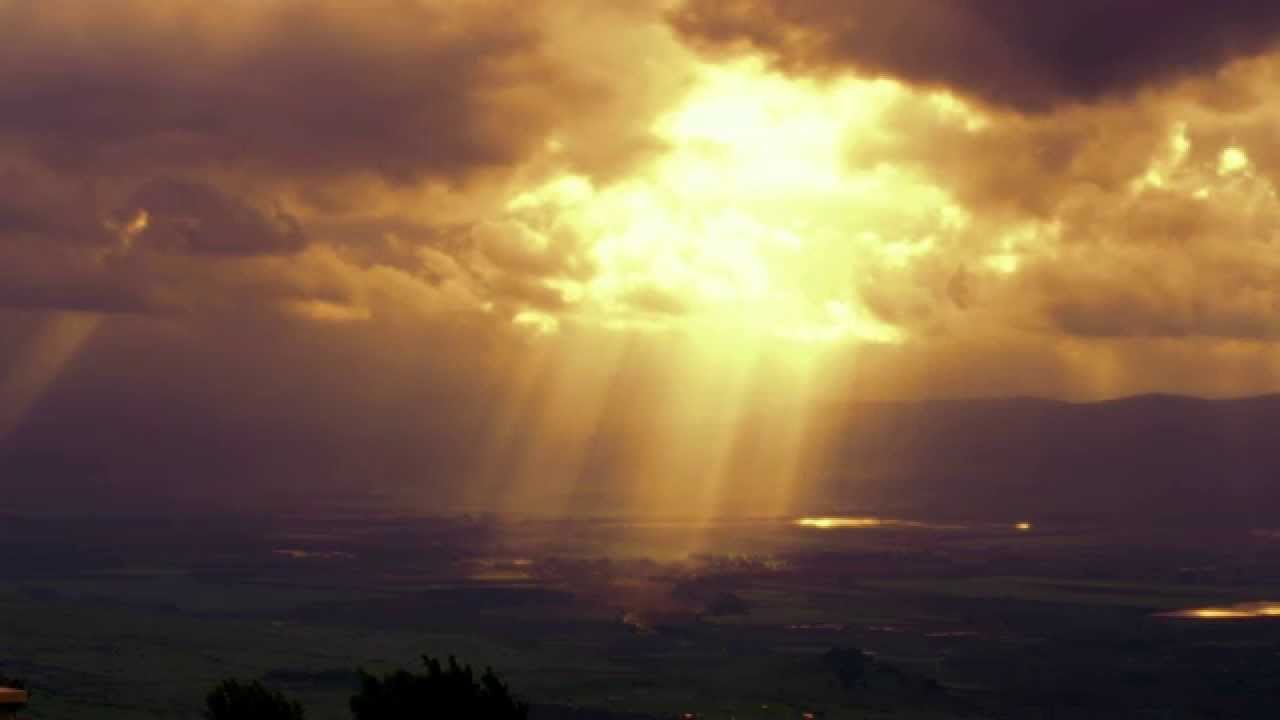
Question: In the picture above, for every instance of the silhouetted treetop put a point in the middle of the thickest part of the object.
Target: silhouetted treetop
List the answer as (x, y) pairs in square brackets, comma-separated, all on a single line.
[(234, 700), (450, 691)]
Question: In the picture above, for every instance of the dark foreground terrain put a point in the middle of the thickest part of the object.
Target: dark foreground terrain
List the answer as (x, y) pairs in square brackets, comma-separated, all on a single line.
[(139, 617)]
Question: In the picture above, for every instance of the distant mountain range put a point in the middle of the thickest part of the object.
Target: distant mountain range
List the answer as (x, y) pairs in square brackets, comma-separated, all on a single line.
[(1150, 457), (1154, 456)]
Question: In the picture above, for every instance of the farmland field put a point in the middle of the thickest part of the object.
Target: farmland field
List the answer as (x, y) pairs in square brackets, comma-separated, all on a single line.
[(986, 620)]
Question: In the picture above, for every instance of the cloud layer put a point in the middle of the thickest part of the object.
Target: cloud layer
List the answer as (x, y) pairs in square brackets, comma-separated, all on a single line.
[(1026, 56), (136, 136)]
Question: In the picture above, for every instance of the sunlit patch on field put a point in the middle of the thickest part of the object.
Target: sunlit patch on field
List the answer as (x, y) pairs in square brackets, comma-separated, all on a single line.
[(1241, 611)]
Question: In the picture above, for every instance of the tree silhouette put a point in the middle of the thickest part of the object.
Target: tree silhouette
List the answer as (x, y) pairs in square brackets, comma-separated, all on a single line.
[(234, 700), (442, 692)]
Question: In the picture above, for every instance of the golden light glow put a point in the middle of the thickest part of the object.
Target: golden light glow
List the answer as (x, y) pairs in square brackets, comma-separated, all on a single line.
[(1242, 611), (752, 219), (323, 311), (1233, 160), (828, 523), (1023, 526), (1220, 614), (854, 522), (539, 321)]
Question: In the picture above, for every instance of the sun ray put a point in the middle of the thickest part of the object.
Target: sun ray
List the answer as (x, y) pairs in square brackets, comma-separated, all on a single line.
[(40, 364), (733, 266)]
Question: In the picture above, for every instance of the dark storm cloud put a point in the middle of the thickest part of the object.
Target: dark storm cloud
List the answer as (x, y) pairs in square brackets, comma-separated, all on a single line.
[(40, 206), (63, 246), (182, 216), (1024, 54), (400, 89)]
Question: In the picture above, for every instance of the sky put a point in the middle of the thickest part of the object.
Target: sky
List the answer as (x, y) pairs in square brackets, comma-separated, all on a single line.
[(504, 253)]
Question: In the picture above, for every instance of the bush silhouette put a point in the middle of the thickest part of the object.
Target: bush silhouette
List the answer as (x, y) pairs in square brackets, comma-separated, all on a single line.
[(234, 700), (442, 692)]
